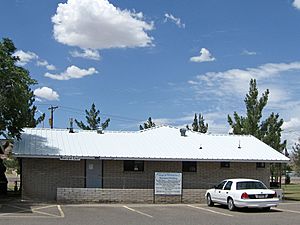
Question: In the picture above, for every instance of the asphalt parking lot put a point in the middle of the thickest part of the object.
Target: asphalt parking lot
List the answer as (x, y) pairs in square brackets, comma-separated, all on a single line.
[(132, 214)]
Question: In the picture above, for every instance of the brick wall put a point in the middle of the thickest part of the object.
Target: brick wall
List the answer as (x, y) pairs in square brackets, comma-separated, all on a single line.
[(115, 177), (207, 175), (41, 177), (99, 195), (193, 196)]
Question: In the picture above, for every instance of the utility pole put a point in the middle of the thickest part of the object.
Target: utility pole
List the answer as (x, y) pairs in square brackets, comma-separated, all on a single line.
[(52, 109)]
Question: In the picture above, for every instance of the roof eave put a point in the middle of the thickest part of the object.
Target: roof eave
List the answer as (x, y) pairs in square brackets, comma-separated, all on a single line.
[(150, 158)]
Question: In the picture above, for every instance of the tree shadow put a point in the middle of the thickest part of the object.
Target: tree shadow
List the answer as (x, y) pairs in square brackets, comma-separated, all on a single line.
[(35, 145), (13, 204)]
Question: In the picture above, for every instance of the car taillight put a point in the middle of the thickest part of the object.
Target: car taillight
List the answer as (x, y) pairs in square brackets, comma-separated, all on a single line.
[(244, 196)]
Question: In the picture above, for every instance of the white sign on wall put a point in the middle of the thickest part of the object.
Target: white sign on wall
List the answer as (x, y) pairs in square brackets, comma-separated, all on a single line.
[(168, 183), (69, 158)]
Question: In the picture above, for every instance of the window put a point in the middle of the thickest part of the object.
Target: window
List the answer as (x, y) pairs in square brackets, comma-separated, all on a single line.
[(228, 185), (260, 165), (250, 185), (133, 165), (189, 166), (220, 185), (225, 164)]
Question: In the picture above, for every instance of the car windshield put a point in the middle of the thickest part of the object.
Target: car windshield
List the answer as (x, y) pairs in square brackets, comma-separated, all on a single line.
[(250, 185)]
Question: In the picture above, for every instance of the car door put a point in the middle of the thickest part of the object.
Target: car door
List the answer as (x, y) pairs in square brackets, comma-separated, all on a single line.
[(216, 194), (225, 192)]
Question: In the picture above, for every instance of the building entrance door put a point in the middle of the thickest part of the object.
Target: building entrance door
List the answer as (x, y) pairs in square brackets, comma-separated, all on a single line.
[(93, 173)]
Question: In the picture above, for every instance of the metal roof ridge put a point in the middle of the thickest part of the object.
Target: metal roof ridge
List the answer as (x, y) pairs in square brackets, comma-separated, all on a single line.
[(138, 131)]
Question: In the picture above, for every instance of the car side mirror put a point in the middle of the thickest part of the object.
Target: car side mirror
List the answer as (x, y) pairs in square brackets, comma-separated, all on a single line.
[(215, 186)]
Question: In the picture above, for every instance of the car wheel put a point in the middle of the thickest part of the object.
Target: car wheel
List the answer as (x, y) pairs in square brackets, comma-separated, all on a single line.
[(230, 204), (267, 209), (209, 201)]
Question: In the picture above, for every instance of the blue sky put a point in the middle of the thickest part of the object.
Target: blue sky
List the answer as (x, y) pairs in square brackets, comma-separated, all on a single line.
[(164, 59)]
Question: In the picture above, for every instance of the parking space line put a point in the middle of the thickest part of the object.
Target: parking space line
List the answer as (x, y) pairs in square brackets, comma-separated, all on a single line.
[(22, 210), (287, 210), (62, 214), (34, 210), (137, 211), (12, 216), (46, 214), (209, 210)]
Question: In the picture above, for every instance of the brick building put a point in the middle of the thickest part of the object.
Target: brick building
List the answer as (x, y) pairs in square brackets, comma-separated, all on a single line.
[(121, 166)]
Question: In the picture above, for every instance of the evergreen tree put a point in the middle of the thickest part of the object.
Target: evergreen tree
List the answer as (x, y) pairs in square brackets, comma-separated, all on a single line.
[(254, 106), (195, 123), (93, 120), (268, 131), (199, 124), (148, 124)]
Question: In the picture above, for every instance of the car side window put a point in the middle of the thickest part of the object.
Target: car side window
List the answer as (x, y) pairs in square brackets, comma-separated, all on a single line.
[(228, 185), (220, 185)]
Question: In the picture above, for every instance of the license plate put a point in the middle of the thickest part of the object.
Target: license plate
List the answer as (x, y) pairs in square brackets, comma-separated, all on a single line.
[(260, 196)]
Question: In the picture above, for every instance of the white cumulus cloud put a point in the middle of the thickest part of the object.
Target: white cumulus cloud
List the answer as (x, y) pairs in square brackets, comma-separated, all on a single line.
[(72, 72), (246, 52), (236, 81), (293, 123), (177, 21), (86, 53), (25, 57), (46, 64), (97, 24), (46, 93), (205, 56), (296, 4)]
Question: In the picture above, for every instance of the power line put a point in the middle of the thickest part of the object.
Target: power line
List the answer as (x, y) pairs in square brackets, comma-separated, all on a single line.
[(122, 118)]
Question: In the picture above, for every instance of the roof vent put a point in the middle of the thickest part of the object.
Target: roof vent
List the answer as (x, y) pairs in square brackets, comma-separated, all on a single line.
[(182, 132), (100, 131)]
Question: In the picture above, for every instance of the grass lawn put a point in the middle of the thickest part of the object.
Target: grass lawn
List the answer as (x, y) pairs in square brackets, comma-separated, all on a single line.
[(291, 192)]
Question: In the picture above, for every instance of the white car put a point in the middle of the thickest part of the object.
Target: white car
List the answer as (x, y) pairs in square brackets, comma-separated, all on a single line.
[(242, 193)]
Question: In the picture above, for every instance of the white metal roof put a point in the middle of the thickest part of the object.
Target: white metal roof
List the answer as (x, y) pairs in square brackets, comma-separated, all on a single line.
[(159, 143)]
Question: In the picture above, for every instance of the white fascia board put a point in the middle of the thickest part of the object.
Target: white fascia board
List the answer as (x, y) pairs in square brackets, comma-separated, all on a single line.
[(151, 159)]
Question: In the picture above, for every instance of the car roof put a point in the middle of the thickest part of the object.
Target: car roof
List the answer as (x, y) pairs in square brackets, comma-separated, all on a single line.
[(241, 179)]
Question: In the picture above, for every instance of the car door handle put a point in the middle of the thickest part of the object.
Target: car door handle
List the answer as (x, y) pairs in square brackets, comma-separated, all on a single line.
[(227, 192), (219, 191)]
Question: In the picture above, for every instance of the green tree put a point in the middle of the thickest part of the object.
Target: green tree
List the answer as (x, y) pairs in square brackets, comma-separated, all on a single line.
[(93, 120), (199, 124), (296, 157), (16, 99), (254, 106), (268, 131), (148, 124)]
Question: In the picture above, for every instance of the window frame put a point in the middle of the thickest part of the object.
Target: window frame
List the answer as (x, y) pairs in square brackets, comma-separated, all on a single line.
[(225, 164), (260, 165), (133, 166), (187, 165)]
